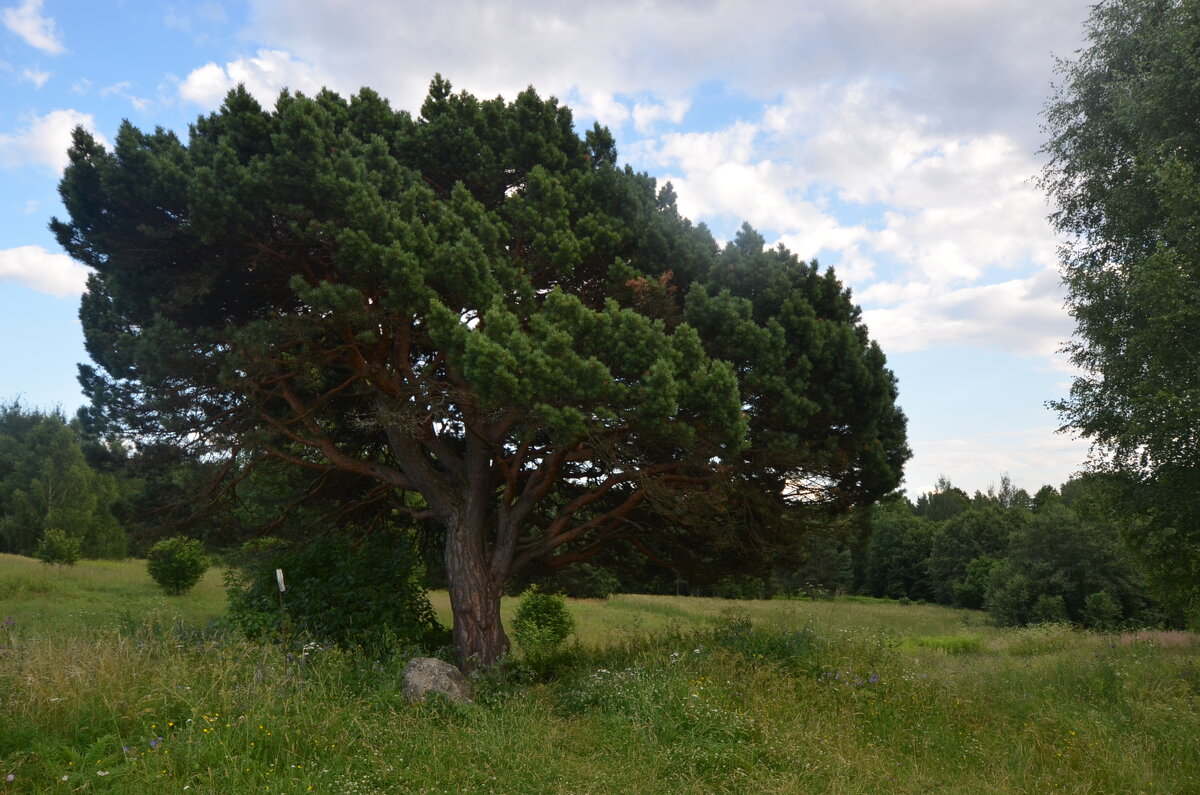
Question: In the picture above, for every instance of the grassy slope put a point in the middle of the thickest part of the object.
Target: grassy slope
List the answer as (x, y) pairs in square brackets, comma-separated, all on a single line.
[(663, 694), (98, 593)]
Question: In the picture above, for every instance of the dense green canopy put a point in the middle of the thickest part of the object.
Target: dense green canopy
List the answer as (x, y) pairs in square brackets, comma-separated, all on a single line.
[(478, 306), (1125, 148), (46, 484)]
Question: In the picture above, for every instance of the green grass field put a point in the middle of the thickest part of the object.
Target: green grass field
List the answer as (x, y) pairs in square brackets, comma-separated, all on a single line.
[(106, 685)]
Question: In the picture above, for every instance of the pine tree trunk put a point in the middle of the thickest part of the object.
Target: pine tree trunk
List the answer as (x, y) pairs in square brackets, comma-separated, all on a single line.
[(479, 639)]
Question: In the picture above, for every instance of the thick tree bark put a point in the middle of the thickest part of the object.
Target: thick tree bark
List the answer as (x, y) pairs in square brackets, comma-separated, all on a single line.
[(479, 639)]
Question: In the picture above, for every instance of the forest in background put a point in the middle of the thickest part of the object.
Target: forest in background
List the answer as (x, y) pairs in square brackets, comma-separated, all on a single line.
[(1054, 556)]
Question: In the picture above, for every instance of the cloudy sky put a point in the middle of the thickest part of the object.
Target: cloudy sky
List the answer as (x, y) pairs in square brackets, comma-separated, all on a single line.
[(894, 142)]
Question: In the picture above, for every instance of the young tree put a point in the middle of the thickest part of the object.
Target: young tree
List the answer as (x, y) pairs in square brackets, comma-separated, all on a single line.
[(1124, 150), (177, 564), (58, 548), (476, 306)]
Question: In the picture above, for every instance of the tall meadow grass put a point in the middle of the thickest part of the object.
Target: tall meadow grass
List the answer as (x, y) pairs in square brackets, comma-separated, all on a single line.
[(120, 691)]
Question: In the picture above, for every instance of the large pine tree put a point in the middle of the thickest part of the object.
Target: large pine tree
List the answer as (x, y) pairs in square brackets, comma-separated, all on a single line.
[(477, 306)]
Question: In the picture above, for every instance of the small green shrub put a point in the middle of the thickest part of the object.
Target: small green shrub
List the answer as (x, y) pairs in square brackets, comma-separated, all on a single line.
[(972, 589), (59, 548), (1049, 610), (542, 622), (1101, 611), (370, 594), (177, 564), (1008, 598)]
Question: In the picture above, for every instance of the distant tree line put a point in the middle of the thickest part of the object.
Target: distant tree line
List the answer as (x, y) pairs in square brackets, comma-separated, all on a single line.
[(46, 483), (1056, 555)]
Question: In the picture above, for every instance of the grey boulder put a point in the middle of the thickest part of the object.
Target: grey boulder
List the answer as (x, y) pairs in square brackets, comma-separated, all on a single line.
[(424, 675)]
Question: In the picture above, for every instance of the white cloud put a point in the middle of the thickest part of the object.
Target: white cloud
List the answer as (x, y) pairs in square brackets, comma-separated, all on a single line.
[(35, 76), (854, 137), (697, 151), (42, 270), (1021, 316), (44, 140), (122, 89), (725, 173), (116, 88), (599, 105), (264, 76), (1032, 458), (646, 115), (953, 206), (853, 267), (970, 62), (38, 31), (206, 85), (949, 213), (944, 214), (966, 207)]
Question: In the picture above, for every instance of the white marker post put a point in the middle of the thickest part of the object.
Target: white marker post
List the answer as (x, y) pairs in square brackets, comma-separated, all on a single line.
[(282, 613)]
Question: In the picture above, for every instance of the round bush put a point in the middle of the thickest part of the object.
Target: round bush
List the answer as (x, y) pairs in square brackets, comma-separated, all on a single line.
[(58, 547), (1050, 610), (369, 594), (542, 622), (1101, 611), (177, 564)]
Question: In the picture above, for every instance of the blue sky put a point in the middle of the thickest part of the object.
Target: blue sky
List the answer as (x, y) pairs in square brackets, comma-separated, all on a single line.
[(895, 142)]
